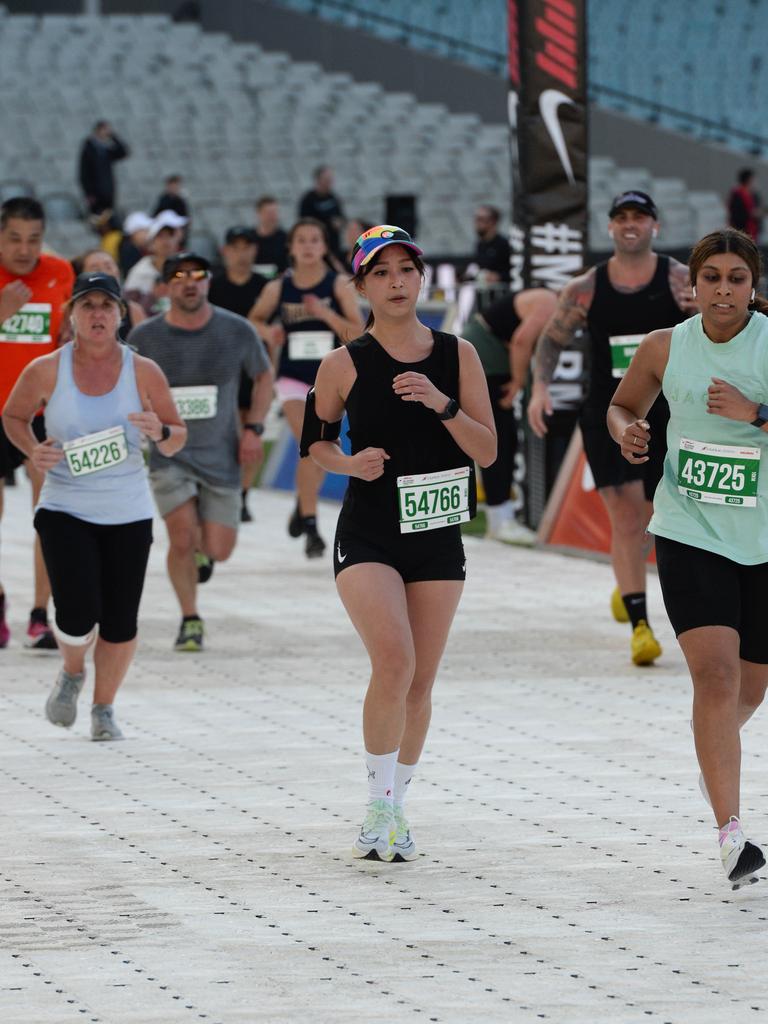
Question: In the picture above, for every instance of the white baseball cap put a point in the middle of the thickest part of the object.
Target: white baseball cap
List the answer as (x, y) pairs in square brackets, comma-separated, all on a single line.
[(166, 219), (136, 221)]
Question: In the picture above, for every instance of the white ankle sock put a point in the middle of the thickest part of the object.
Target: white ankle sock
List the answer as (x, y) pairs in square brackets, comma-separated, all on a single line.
[(381, 775), (403, 775), (495, 515)]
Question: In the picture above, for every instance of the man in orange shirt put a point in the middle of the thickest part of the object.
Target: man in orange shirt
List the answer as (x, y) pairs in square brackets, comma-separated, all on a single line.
[(34, 287)]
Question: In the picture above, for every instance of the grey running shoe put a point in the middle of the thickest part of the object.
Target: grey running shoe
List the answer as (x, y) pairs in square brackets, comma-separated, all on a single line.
[(61, 706), (103, 724), (404, 844)]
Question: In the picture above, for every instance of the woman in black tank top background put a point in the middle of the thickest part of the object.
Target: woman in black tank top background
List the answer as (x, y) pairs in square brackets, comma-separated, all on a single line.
[(417, 403), (308, 303)]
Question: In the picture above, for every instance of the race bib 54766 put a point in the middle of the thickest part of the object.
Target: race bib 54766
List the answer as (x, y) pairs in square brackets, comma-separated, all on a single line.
[(428, 501)]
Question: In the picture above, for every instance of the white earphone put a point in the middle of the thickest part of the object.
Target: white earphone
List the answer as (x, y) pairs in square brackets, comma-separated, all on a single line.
[(752, 296), (655, 232), (610, 232), (693, 291)]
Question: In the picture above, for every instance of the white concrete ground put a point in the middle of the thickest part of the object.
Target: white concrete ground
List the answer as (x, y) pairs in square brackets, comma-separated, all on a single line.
[(200, 870)]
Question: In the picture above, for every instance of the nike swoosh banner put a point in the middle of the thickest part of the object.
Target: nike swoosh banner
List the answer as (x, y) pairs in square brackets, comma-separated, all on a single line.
[(549, 146)]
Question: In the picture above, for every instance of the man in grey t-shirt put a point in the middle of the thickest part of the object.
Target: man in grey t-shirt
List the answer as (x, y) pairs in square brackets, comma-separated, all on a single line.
[(202, 351)]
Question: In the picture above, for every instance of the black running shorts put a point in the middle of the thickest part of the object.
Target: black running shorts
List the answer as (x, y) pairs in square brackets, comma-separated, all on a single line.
[(701, 588), (96, 572), (608, 465), (417, 557)]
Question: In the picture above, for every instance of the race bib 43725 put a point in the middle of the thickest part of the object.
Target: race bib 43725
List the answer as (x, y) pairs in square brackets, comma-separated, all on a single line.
[(720, 474)]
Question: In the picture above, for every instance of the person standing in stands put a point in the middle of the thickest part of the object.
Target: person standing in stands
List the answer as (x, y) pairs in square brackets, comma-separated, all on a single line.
[(99, 152), (34, 287), (744, 211), (323, 204), (271, 238), (237, 288), (492, 252)]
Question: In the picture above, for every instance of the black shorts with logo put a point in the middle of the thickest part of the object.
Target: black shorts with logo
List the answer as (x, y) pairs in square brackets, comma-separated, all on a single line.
[(701, 588), (417, 557), (609, 467), (12, 457)]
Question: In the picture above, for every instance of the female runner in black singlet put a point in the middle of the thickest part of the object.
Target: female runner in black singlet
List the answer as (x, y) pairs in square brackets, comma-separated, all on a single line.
[(418, 407), (316, 310)]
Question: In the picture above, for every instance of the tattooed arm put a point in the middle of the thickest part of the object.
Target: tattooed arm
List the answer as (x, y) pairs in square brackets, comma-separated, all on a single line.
[(680, 286), (559, 332)]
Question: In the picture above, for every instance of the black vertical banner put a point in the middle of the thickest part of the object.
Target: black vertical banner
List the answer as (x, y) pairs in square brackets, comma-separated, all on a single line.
[(548, 150)]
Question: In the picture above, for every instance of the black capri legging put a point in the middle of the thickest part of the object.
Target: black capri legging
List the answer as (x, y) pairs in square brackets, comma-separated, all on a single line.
[(96, 573)]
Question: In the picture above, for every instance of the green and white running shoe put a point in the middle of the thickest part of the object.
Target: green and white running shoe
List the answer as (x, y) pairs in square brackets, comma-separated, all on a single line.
[(405, 846), (377, 833)]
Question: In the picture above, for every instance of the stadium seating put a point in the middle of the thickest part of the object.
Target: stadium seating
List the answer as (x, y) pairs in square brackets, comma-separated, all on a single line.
[(237, 121)]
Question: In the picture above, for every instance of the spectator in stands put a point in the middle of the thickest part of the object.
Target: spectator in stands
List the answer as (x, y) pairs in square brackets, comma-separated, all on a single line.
[(134, 241), (492, 252), (99, 152), (744, 210), (322, 204), (143, 283), (173, 197), (271, 238), (237, 289)]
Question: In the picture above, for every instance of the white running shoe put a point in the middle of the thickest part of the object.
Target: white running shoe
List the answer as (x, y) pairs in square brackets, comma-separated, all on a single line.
[(377, 833), (512, 532), (405, 847), (740, 858)]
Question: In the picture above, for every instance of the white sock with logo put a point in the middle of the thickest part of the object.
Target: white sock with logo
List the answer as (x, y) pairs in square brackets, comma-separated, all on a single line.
[(403, 775), (381, 775)]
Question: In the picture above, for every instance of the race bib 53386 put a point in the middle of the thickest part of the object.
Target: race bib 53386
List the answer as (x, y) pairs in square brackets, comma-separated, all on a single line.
[(196, 403)]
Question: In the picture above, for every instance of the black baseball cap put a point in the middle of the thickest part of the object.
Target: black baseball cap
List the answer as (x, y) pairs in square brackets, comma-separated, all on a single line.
[(173, 263), (639, 200), (97, 283), (241, 231)]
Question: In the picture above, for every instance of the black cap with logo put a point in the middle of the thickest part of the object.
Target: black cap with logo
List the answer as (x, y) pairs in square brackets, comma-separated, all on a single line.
[(85, 283), (241, 232), (173, 263), (638, 200)]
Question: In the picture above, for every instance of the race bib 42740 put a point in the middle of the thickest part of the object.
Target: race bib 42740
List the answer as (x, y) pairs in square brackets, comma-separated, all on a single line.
[(32, 323), (720, 474)]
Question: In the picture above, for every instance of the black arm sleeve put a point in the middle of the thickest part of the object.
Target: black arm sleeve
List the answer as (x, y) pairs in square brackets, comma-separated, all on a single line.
[(315, 429)]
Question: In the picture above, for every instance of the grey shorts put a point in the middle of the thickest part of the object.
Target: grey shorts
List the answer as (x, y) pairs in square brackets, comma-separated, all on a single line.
[(175, 484)]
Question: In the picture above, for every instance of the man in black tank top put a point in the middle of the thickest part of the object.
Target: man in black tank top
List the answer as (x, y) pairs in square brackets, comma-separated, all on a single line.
[(618, 302)]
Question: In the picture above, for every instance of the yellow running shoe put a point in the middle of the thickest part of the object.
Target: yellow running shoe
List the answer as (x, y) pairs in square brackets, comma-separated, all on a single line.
[(645, 647), (618, 608)]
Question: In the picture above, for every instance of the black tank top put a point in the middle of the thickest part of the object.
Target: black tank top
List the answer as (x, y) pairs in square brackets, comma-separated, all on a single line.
[(502, 318), (615, 313), (412, 435), (294, 318)]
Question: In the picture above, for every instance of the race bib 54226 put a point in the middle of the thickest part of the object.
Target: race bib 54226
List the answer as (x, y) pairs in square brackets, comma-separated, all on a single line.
[(95, 452)]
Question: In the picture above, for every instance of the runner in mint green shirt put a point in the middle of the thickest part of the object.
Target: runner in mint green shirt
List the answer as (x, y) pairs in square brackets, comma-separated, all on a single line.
[(711, 508)]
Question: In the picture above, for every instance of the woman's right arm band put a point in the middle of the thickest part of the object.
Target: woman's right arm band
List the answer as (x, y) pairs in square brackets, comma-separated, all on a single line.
[(315, 429)]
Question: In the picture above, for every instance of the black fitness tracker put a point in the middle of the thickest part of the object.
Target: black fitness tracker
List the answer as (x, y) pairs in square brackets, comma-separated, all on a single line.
[(449, 411)]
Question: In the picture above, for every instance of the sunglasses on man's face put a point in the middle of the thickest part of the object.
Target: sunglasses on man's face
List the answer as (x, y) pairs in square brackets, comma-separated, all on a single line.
[(198, 274)]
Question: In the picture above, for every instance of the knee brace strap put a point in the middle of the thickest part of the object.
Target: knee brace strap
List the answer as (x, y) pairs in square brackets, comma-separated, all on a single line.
[(315, 429), (73, 641)]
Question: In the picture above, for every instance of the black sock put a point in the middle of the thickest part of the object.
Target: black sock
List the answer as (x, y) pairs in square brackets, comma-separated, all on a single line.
[(310, 523), (189, 618), (244, 495), (636, 609), (39, 615)]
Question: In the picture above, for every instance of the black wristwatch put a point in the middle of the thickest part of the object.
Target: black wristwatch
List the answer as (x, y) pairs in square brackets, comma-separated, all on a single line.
[(449, 411), (762, 416), (165, 433), (257, 428)]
